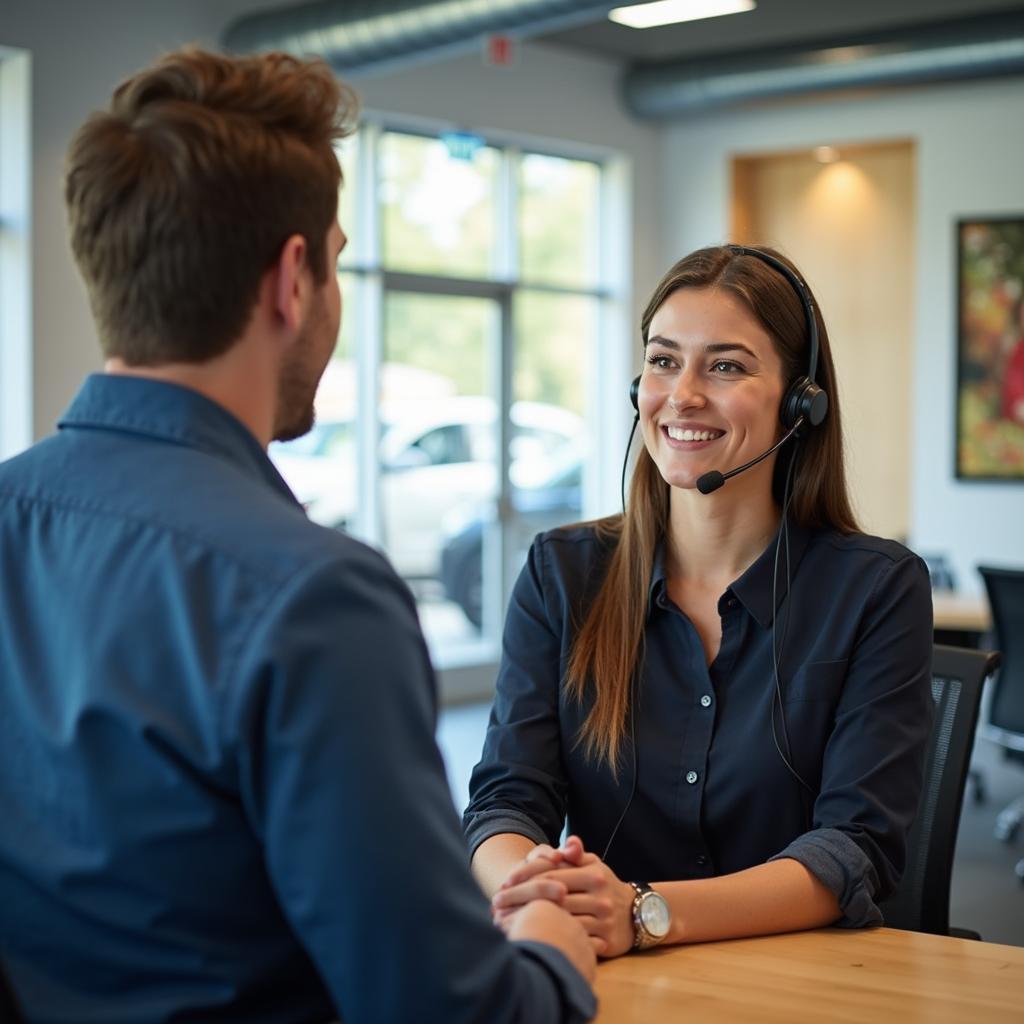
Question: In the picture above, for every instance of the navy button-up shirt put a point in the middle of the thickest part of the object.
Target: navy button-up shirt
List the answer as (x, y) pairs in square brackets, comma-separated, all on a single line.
[(220, 796), (710, 792)]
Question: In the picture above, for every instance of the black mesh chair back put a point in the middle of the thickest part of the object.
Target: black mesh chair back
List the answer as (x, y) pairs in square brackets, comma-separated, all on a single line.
[(921, 901), (1006, 597)]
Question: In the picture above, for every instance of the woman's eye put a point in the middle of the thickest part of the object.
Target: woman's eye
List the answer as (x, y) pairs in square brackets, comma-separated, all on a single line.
[(726, 366), (661, 362)]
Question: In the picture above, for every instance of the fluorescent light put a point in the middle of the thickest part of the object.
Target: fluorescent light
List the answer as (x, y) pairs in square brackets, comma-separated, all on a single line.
[(669, 12)]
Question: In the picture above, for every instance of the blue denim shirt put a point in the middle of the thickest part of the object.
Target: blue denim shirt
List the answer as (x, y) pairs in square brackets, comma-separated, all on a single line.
[(220, 794), (712, 794)]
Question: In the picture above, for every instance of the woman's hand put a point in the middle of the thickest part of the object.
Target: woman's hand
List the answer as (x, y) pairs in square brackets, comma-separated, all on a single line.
[(593, 893), (526, 881)]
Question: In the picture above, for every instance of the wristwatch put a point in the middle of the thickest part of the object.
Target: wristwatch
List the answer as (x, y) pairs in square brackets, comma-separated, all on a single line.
[(651, 916)]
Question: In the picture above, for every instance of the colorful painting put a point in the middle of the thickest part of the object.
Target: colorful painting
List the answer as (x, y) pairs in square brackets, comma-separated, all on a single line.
[(990, 360)]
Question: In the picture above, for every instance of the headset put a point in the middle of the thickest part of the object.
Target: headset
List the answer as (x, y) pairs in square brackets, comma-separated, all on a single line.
[(803, 405)]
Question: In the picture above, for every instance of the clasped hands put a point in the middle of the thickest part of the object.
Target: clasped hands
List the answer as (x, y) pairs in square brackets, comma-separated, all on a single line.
[(579, 882)]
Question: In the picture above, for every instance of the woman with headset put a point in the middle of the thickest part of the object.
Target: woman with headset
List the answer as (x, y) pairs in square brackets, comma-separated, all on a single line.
[(725, 691)]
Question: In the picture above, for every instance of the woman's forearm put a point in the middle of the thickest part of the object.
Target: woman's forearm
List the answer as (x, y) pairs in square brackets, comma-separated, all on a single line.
[(496, 857), (781, 896)]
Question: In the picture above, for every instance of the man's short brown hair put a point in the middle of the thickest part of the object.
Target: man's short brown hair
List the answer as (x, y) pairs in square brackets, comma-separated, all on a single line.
[(182, 194)]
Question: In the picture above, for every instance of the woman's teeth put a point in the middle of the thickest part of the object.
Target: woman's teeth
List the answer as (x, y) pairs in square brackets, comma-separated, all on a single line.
[(693, 435)]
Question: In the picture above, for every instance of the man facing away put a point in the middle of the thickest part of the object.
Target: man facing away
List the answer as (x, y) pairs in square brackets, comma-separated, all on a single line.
[(221, 797)]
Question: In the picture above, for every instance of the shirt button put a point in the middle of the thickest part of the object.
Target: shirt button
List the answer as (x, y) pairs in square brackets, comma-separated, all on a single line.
[(731, 603), (702, 860), (705, 701), (691, 777)]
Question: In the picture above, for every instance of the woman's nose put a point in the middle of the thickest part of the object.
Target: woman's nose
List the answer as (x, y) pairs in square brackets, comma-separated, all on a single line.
[(687, 392)]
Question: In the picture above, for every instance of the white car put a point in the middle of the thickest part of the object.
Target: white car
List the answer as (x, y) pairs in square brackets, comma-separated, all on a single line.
[(435, 457)]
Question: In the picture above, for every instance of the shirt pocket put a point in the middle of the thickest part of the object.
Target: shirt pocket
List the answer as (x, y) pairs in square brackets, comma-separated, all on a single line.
[(816, 681)]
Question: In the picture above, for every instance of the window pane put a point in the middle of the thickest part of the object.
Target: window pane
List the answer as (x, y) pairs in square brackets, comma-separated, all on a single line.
[(347, 151), (558, 228), (437, 212), (555, 338), (556, 342), (320, 467), (438, 466)]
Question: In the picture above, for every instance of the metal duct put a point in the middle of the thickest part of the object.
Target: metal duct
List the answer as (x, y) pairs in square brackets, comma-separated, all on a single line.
[(376, 35), (968, 48)]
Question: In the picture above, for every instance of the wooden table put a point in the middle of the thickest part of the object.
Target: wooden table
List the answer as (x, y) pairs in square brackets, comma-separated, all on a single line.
[(863, 977), (968, 613)]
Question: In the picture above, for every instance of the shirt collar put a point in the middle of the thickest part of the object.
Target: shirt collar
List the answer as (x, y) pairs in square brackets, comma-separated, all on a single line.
[(754, 588), (171, 413)]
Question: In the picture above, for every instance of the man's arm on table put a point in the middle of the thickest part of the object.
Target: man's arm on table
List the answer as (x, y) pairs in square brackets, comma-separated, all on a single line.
[(333, 716)]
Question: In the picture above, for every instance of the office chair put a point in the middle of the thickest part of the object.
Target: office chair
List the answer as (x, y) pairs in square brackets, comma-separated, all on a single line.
[(9, 1012), (921, 900), (1004, 722)]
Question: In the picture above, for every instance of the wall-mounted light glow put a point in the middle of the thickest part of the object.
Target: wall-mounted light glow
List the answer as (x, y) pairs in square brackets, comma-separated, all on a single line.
[(826, 154), (669, 12)]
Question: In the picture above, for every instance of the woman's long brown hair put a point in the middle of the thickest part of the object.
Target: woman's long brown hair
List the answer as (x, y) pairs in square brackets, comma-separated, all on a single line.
[(608, 651)]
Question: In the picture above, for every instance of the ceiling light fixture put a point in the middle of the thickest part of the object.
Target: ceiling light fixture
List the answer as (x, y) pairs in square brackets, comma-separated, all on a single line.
[(826, 154), (669, 12)]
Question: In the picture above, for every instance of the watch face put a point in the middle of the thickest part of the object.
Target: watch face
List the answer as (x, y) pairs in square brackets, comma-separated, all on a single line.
[(654, 915)]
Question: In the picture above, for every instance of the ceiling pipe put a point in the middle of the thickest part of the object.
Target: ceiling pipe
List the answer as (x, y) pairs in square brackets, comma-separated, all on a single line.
[(383, 35), (979, 47)]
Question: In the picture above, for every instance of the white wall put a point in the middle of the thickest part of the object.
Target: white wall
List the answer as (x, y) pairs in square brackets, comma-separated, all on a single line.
[(970, 155)]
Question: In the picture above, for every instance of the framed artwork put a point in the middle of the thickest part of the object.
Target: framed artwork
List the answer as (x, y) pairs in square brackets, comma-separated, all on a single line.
[(990, 349)]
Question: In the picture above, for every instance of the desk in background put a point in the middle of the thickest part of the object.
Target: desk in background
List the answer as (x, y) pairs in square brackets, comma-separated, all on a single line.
[(874, 975), (961, 620)]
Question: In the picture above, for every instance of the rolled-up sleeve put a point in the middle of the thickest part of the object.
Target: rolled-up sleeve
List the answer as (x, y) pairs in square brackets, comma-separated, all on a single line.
[(874, 759), (343, 783), (520, 783)]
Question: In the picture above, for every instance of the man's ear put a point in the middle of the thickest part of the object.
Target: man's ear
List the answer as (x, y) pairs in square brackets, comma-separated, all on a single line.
[(291, 283)]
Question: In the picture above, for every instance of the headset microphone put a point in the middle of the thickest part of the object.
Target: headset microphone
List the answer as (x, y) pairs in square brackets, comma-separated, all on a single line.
[(709, 482)]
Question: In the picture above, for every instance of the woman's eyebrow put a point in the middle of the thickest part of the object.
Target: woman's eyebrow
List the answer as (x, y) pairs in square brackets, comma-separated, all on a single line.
[(712, 348), (659, 340), (717, 347)]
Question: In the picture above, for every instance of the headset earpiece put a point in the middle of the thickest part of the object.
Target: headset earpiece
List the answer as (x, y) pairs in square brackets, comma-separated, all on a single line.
[(634, 393), (803, 399)]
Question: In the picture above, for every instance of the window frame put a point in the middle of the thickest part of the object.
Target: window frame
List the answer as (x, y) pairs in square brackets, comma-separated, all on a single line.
[(16, 390), (372, 281)]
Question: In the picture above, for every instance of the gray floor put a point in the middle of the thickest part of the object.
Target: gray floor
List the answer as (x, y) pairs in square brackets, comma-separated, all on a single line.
[(986, 895), (460, 735)]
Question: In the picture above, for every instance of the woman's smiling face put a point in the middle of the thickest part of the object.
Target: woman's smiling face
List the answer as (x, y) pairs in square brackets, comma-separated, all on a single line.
[(711, 386)]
